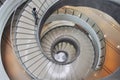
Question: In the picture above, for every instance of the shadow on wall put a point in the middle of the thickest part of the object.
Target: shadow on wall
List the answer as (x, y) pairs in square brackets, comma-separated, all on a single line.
[(114, 76)]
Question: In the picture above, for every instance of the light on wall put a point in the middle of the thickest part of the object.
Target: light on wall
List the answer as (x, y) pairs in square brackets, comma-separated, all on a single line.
[(105, 36), (118, 46)]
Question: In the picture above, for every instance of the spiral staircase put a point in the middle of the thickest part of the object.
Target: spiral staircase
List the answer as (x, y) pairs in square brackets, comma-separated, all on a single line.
[(53, 40)]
